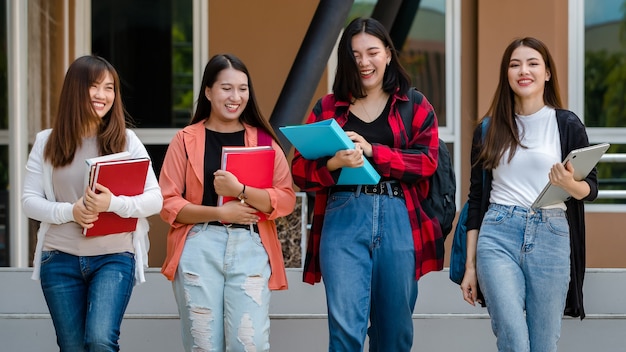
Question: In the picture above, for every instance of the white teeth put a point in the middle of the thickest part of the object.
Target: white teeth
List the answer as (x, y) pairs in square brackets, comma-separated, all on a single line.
[(365, 73), (98, 105), (231, 106)]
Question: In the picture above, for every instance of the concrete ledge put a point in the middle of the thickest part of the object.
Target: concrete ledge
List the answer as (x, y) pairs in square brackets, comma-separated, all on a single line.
[(442, 320)]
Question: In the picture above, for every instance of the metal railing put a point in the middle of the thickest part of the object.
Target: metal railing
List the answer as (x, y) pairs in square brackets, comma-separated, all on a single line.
[(612, 194)]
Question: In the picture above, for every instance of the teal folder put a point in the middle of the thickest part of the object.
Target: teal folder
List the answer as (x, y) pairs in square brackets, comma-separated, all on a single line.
[(325, 138)]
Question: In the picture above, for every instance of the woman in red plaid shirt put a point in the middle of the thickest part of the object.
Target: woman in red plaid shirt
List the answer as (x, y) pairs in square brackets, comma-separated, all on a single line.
[(372, 243)]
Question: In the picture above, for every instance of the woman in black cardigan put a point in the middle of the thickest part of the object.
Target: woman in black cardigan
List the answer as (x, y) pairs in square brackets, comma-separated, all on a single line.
[(529, 262)]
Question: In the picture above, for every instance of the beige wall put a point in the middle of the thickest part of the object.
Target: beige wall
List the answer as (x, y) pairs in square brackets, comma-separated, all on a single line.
[(499, 22)]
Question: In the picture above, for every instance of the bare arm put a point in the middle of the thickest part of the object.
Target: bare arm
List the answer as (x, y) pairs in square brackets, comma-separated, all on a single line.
[(469, 285)]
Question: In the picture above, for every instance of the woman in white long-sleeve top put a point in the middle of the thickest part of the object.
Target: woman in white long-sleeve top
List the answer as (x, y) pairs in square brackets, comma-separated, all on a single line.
[(86, 281)]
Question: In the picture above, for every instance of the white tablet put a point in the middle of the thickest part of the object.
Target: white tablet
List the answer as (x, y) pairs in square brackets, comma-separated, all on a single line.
[(583, 160)]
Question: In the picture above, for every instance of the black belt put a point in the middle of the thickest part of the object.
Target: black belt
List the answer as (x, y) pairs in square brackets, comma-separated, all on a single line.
[(381, 188), (236, 226)]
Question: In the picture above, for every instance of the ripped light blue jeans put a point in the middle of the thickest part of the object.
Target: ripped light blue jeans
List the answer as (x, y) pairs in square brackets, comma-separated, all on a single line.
[(523, 268), (221, 287)]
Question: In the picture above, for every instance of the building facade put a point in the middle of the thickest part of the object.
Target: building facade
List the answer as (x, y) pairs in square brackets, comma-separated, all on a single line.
[(452, 50)]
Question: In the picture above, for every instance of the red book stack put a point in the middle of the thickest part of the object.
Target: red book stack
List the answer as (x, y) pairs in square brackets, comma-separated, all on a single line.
[(253, 166), (124, 177)]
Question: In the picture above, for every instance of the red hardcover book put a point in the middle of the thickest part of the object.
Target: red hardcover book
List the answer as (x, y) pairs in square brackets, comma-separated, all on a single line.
[(122, 177), (253, 166)]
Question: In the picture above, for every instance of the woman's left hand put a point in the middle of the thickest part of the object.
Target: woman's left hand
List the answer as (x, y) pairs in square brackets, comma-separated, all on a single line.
[(562, 175), (98, 202), (360, 143)]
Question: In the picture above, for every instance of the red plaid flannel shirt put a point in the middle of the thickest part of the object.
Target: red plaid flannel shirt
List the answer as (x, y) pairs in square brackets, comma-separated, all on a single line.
[(412, 166)]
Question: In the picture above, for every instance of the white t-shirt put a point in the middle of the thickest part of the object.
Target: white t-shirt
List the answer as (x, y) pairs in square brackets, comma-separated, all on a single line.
[(520, 181)]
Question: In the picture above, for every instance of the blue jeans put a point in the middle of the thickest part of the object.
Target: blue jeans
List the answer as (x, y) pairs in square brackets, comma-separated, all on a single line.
[(87, 298), (523, 266), (221, 287), (367, 260)]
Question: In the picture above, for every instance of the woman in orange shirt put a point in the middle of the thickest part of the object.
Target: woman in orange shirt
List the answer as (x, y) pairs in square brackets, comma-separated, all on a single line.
[(222, 274)]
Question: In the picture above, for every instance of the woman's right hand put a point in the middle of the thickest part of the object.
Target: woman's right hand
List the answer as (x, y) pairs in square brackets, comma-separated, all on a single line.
[(83, 216), (469, 286), (238, 212)]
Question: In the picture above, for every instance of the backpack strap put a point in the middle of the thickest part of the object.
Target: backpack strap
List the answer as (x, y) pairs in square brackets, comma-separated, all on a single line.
[(263, 138), (405, 109)]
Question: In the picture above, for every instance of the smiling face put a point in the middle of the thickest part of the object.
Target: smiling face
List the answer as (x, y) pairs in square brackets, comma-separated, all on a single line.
[(527, 74), (372, 58), (102, 94), (228, 95)]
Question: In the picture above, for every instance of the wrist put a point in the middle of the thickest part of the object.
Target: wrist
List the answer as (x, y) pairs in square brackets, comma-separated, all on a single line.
[(242, 196)]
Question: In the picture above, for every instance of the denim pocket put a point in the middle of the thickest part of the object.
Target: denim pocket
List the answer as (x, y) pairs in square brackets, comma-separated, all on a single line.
[(338, 201), (126, 254), (256, 238), (194, 231), (47, 256), (495, 216), (558, 225)]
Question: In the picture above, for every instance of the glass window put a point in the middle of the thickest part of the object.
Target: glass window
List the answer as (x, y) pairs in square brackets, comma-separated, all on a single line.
[(605, 82), (150, 44)]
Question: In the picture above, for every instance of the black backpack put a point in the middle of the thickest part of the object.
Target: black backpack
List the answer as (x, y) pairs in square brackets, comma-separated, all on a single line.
[(440, 203)]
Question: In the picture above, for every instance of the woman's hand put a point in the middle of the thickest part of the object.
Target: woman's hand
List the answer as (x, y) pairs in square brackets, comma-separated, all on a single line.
[(346, 158), (226, 184), (98, 202), (563, 176), (361, 143), (238, 213), (469, 286), (83, 216)]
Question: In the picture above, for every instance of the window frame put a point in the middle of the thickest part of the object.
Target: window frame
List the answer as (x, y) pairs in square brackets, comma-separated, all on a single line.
[(576, 90), (200, 14)]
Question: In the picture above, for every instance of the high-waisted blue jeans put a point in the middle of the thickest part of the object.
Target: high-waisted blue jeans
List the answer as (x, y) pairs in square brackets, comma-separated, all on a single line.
[(221, 287), (87, 298), (523, 268), (367, 261)]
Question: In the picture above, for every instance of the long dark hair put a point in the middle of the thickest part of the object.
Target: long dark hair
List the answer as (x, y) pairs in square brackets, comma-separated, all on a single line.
[(502, 134), (251, 114), (76, 116), (348, 85)]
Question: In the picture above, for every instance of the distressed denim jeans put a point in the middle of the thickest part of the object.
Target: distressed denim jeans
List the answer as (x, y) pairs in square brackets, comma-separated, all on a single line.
[(87, 298), (221, 287), (523, 268), (367, 260)]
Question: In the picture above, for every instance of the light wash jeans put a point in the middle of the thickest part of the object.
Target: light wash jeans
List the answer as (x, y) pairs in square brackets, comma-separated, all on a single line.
[(523, 266), (221, 287), (367, 261), (87, 298)]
